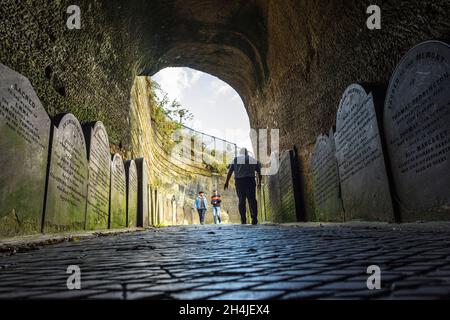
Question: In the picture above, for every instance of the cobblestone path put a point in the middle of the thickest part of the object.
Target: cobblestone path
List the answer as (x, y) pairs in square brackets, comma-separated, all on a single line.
[(237, 262)]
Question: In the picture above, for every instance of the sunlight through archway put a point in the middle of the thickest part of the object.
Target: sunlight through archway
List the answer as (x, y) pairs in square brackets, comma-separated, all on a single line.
[(216, 108)]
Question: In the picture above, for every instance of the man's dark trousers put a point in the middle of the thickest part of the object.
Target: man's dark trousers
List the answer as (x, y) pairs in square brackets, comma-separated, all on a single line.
[(201, 214), (246, 190)]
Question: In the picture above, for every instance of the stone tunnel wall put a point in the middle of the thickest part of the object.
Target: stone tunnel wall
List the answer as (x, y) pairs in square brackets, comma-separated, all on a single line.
[(289, 60), (87, 72)]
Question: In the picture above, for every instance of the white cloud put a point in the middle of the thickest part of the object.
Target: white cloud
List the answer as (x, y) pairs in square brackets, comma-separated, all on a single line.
[(195, 76), (235, 97), (220, 88), (175, 81)]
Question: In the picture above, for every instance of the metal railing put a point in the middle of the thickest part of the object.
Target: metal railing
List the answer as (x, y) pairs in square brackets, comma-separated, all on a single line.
[(232, 146), (196, 146)]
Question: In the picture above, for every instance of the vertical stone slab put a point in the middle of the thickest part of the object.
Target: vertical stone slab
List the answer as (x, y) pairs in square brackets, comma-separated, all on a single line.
[(151, 219), (24, 142), (99, 157), (151, 204), (273, 183), (359, 152), (325, 178), (142, 218), (68, 177), (265, 206), (118, 194), (287, 193), (417, 131), (157, 207), (132, 193)]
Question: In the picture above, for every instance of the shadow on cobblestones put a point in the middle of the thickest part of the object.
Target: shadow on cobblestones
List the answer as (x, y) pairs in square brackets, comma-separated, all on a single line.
[(237, 262)]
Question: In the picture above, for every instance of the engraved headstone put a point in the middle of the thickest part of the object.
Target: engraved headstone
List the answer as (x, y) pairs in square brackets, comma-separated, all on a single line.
[(132, 193), (68, 177), (118, 205), (24, 141), (143, 207), (325, 178), (417, 131), (97, 210), (362, 170)]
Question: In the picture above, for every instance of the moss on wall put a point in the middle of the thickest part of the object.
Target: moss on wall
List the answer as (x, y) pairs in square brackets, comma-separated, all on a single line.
[(87, 72)]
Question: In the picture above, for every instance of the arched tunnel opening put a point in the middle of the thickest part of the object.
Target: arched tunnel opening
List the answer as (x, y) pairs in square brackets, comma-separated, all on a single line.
[(348, 112), (196, 126)]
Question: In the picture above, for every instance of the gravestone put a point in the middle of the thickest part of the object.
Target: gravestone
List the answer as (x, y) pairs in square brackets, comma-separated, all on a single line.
[(365, 189), (132, 193), (68, 177), (97, 210), (289, 205), (274, 195), (118, 200), (24, 141), (325, 178), (417, 131), (143, 208), (264, 206)]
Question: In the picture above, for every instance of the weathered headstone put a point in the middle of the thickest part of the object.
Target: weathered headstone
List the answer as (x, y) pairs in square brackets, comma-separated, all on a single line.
[(99, 157), (68, 177), (362, 170), (325, 178), (289, 202), (143, 207), (273, 183), (264, 206), (132, 193), (417, 130), (151, 204), (118, 204), (24, 141)]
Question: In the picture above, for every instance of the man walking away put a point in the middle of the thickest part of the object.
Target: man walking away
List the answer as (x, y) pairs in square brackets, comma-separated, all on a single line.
[(244, 168), (201, 205), (215, 201)]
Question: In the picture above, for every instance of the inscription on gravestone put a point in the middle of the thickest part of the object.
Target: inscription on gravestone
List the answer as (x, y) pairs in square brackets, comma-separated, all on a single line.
[(118, 205), (132, 192), (362, 170), (68, 177), (143, 208), (417, 130), (24, 141), (325, 177), (97, 210)]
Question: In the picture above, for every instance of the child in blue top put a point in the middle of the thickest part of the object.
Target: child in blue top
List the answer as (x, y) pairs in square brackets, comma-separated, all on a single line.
[(201, 204)]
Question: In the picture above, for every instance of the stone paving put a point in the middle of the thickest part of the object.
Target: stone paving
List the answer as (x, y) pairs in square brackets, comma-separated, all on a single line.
[(237, 262)]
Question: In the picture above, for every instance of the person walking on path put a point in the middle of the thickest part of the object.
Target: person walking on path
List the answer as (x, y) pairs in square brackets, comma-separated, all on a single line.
[(244, 168), (201, 205), (215, 202)]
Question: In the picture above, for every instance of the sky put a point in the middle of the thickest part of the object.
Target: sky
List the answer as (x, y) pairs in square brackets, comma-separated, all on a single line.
[(216, 107)]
